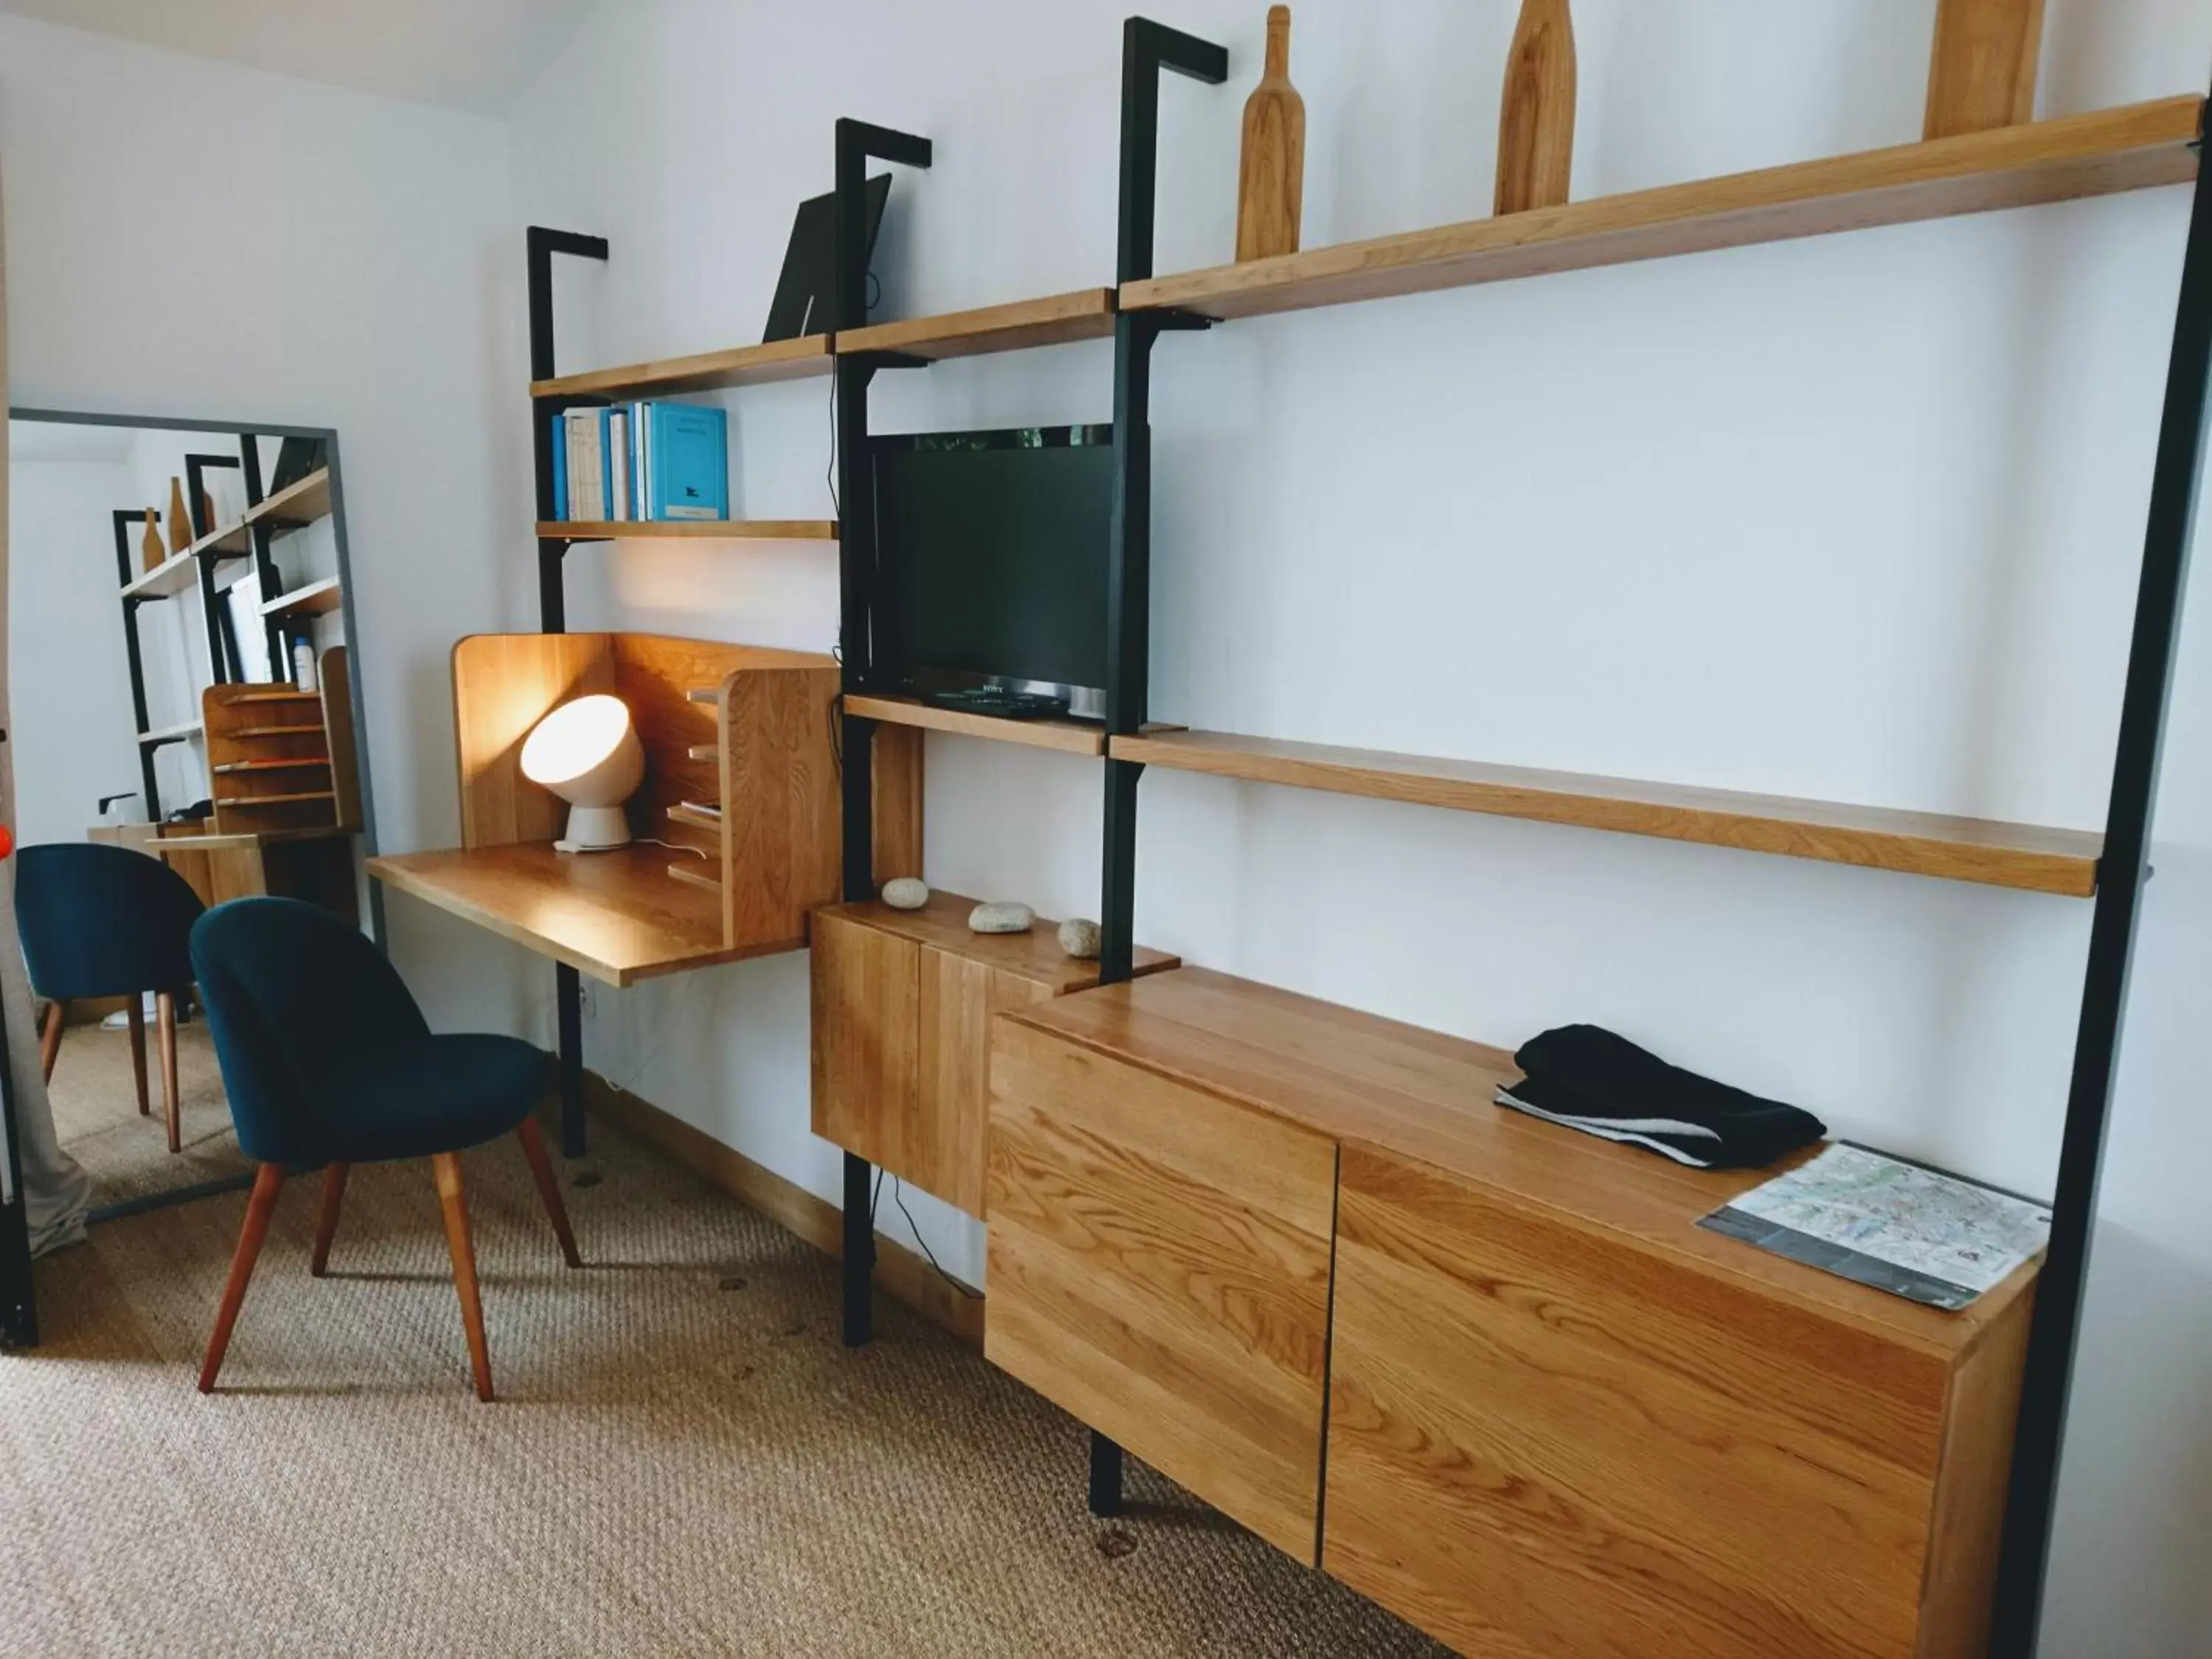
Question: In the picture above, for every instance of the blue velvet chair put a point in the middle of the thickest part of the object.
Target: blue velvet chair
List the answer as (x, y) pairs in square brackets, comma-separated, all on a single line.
[(329, 1063), (101, 921)]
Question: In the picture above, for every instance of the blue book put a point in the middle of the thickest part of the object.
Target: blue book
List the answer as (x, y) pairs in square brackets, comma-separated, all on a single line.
[(688, 461), (560, 466)]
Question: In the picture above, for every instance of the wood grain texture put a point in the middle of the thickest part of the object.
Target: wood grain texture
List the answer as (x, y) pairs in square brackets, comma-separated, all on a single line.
[(617, 916), (503, 685), (703, 530), (1958, 1598), (1068, 737), (895, 784), (2027, 856), (1058, 320), (1982, 72), (1271, 170), (1536, 117), (339, 738), (927, 1122), (783, 814), (316, 599), (297, 505), (1159, 1267), (2132, 148), (707, 371), (283, 780), (454, 1204), (1545, 1441)]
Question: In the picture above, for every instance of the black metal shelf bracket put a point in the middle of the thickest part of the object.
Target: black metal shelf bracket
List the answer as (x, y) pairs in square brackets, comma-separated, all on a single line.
[(2055, 1333), (857, 142), (1147, 49)]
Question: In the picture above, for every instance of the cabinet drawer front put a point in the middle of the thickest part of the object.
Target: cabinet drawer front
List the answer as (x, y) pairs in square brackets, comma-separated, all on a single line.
[(1543, 1441), (958, 1000), (1159, 1267), (866, 1016)]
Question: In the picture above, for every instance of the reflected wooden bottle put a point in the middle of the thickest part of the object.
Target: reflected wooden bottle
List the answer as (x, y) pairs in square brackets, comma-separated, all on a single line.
[(150, 550), (1536, 122), (180, 522)]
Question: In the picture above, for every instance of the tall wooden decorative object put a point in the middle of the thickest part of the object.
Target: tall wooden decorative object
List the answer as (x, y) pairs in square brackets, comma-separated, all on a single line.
[(1271, 180), (150, 550), (180, 522), (1983, 73), (1536, 122)]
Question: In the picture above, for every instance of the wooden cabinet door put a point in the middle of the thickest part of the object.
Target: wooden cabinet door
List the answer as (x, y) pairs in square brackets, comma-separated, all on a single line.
[(1544, 1441), (866, 1017), (1159, 1267), (959, 999)]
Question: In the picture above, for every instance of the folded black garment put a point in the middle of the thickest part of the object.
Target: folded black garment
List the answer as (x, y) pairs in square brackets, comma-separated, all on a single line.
[(1589, 1078)]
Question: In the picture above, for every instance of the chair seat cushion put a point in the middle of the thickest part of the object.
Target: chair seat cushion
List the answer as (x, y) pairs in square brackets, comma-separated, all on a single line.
[(421, 1095)]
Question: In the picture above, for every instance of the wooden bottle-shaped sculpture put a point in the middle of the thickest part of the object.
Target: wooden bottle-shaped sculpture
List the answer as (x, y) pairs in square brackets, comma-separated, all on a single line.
[(150, 550), (1536, 126), (1982, 72), (1271, 179), (180, 522)]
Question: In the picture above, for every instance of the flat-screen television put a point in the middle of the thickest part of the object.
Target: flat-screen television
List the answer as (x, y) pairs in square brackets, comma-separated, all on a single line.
[(994, 551)]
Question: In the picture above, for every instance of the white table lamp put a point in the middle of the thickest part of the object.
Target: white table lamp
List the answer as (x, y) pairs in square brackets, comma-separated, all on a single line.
[(587, 753)]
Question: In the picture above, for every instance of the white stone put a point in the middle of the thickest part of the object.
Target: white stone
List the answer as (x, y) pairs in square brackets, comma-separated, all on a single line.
[(906, 893), (1001, 919), (1079, 937)]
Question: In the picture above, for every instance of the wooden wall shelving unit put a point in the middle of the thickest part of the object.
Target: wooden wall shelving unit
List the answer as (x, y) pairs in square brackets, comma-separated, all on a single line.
[(1059, 319), (2096, 154)]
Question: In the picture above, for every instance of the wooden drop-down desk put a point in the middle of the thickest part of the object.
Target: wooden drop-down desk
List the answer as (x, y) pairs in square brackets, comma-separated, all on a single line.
[(741, 731)]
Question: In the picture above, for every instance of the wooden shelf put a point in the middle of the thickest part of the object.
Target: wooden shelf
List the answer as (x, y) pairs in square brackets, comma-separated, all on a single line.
[(315, 730), (315, 599), (1068, 737), (709, 371), (2038, 860), (711, 530), (1086, 314), (303, 764), (180, 572), (618, 916), (178, 733), (293, 694), (242, 802), (696, 874), (2130, 148), (698, 817), (296, 506)]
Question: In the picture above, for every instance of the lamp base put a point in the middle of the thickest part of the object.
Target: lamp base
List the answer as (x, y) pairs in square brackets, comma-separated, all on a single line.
[(594, 830)]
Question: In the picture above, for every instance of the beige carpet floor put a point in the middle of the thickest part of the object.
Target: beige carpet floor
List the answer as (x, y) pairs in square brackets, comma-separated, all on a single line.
[(685, 1459), (96, 1114)]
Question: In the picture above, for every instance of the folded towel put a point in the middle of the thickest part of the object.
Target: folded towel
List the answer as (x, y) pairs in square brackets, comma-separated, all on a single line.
[(1588, 1078)]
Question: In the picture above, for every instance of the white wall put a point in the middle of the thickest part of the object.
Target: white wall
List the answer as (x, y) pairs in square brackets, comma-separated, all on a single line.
[(1853, 518), (73, 736), (189, 239)]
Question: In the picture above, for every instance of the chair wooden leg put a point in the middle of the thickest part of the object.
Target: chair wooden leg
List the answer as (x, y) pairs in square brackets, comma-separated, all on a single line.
[(326, 1222), (165, 1018), (548, 1189), (50, 1036), (446, 1169), (268, 1182), (137, 1015)]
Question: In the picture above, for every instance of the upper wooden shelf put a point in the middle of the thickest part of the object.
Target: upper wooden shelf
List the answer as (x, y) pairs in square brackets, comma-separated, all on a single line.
[(654, 530), (709, 371), (180, 571), (316, 598), (2130, 148), (296, 506), (618, 916), (1086, 314), (1069, 737), (2038, 859)]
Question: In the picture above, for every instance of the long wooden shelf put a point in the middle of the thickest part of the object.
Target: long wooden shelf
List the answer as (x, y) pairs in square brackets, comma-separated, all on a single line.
[(1086, 314), (708, 371), (725, 530), (1068, 737), (2027, 856), (242, 802), (301, 764), (315, 599), (2130, 148), (297, 505)]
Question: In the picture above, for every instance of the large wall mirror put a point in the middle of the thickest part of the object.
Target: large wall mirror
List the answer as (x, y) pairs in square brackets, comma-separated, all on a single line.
[(186, 690)]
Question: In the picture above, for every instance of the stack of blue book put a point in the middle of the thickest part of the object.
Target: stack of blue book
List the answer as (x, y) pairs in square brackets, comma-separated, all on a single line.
[(641, 461)]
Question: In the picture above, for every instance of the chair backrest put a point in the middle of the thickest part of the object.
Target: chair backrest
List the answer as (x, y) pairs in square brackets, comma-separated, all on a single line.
[(291, 991), (101, 920)]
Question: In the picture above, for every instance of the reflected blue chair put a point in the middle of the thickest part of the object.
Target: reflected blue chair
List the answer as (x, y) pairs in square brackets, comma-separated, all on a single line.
[(330, 1063), (101, 921)]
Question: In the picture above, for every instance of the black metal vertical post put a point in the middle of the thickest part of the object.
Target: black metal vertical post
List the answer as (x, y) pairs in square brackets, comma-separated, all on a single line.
[(541, 245), (221, 654), (856, 141), (127, 521), (1147, 48), (264, 561), (2040, 1438)]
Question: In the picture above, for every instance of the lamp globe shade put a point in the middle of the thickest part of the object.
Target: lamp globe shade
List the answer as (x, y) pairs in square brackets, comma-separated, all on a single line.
[(587, 753)]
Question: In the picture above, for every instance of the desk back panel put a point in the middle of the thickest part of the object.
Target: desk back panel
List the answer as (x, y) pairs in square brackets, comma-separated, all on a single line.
[(503, 685)]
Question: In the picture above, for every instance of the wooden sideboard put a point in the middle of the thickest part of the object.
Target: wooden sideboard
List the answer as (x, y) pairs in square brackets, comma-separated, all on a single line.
[(1485, 1369)]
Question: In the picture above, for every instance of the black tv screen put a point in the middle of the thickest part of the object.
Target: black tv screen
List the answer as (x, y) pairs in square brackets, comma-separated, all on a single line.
[(994, 555)]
